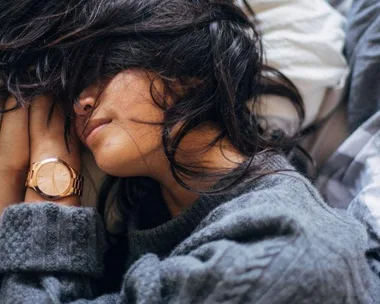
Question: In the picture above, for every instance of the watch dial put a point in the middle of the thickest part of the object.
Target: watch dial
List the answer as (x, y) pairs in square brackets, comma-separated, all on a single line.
[(53, 178)]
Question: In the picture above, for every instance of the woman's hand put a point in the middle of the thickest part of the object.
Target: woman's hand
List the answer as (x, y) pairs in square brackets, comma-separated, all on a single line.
[(14, 153), (48, 141)]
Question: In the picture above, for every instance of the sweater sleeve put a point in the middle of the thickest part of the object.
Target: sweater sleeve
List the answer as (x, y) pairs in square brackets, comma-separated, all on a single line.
[(50, 254)]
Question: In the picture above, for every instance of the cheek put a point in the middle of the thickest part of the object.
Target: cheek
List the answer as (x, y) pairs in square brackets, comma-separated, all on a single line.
[(126, 149), (129, 144)]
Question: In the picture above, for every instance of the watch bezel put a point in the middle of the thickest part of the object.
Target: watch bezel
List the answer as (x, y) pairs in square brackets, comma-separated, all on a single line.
[(37, 167)]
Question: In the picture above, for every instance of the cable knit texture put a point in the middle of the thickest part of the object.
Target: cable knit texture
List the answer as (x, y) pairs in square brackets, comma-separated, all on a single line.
[(51, 238), (271, 241)]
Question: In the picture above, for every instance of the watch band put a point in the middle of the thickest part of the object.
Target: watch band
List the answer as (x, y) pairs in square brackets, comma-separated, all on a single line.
[(78, 185)]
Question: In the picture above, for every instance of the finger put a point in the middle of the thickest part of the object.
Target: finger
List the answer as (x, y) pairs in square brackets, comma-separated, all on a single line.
[(14, 154), (46, 135), (39, 115), (14, 136)]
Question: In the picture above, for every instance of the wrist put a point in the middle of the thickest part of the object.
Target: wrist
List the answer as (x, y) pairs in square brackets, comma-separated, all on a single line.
[(14, 179), (53, 179)]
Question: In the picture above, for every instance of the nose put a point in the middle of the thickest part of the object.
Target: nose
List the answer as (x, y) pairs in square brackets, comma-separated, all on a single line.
[(86, 103)]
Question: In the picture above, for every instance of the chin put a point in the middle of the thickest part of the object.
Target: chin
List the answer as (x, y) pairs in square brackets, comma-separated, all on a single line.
[(117, 155), (117, 166)]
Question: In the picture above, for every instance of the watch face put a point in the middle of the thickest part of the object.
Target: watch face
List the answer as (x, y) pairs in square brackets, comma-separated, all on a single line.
[(53, 178)]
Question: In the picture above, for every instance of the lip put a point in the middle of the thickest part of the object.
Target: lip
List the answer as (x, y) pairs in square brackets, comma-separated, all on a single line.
[(94, 125)]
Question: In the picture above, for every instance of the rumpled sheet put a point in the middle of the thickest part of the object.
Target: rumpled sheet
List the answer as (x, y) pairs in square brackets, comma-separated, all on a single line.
[(342, 6), (353, 171), (351, 180), (363, 54), (351, 176)]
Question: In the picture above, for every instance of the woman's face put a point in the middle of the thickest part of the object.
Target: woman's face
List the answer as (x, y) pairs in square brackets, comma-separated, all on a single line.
[(108, 124)]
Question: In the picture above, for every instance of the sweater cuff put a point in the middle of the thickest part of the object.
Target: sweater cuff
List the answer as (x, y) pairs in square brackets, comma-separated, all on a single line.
[(47, 237)]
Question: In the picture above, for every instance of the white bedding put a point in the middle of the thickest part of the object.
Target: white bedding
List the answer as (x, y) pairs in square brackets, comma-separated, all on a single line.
[(303, 39)]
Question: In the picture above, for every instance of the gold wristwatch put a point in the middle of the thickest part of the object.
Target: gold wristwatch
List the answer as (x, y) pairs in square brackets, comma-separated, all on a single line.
[(54, 179)]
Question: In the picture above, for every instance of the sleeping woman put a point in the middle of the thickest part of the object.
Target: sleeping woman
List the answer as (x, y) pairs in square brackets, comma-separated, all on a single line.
[(157, 90)]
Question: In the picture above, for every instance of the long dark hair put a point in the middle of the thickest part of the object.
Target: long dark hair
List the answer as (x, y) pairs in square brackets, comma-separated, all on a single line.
[(209, 47)]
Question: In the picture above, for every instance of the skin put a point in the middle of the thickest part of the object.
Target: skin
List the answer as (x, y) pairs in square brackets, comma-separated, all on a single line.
[(24, 139), (122, 147)]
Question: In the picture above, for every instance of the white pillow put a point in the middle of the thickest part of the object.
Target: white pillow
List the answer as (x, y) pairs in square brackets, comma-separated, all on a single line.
[(304, 40)]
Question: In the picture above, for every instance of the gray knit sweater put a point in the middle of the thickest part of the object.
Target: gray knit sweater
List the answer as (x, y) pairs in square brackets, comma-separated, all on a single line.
[(275, 242)]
